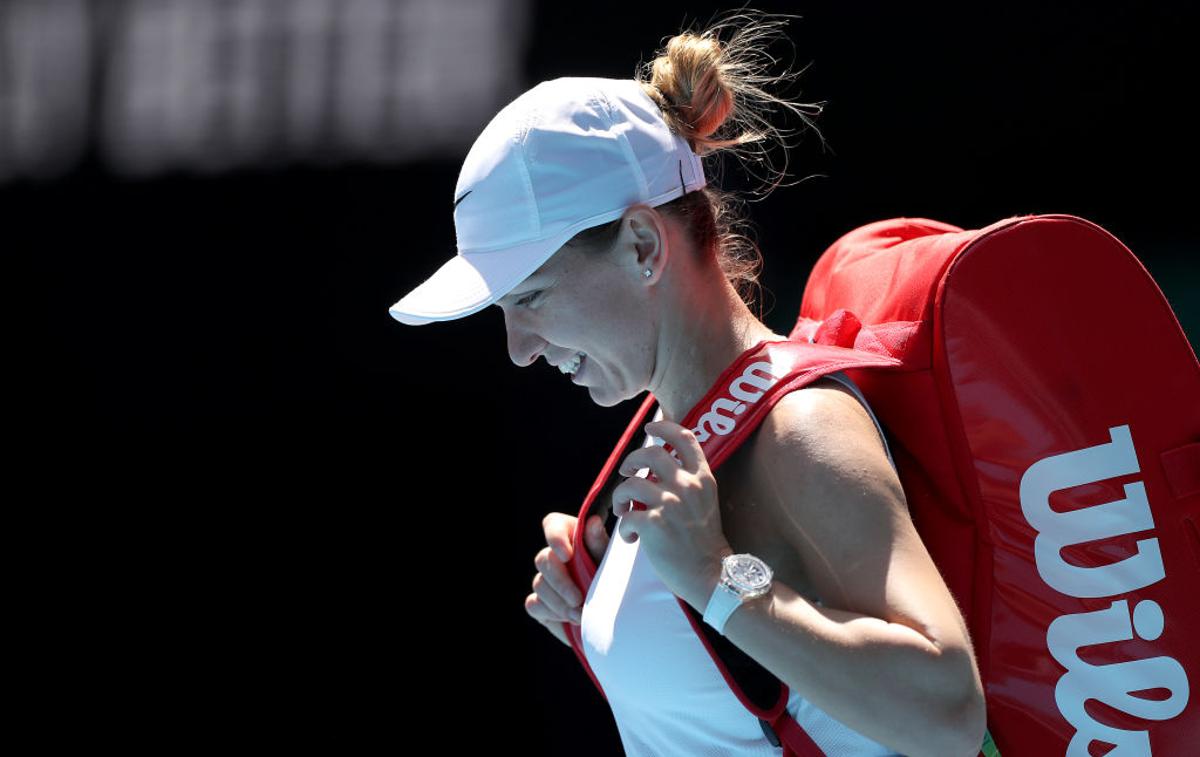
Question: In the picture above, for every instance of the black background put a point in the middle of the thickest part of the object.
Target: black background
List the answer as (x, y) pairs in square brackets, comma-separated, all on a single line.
[(272, 509)]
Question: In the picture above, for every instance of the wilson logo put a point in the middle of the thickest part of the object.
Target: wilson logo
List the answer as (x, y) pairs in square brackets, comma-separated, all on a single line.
[(1113, 684), (743, 391)]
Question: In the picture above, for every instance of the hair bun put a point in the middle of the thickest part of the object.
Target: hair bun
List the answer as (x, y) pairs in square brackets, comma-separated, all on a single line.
[(701, 83), (691, 90)]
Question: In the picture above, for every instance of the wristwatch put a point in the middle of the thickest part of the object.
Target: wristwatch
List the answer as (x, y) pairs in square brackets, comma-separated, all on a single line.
[(743, 577)]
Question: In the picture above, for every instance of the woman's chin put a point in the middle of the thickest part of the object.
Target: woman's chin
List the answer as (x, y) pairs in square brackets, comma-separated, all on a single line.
[(605, 398)]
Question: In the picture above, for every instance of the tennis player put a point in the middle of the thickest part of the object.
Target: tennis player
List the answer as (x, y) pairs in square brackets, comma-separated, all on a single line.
[(583, 212)]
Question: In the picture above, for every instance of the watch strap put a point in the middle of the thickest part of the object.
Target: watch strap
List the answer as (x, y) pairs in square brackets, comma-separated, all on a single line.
[(721, 604)]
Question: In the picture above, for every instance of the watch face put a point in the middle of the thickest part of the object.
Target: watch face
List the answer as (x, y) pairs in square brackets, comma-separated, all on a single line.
[(748, 572)]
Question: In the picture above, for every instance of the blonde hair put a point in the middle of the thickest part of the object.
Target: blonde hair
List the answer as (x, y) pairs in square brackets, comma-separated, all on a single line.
[(709, 93)]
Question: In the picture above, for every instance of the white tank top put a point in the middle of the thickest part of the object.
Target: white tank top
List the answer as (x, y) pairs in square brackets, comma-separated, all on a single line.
[(667, 695)]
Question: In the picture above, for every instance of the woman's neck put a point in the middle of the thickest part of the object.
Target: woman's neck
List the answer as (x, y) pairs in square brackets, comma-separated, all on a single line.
[(695, 353)]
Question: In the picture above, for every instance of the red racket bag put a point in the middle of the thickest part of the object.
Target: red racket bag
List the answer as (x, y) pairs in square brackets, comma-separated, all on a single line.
[(1042, 406)]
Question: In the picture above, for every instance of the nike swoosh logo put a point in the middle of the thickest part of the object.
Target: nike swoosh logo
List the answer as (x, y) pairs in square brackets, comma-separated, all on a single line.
[(456, 202)]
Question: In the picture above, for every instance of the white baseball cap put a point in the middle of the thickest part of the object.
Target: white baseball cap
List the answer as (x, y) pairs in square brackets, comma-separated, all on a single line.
[(568, 154)]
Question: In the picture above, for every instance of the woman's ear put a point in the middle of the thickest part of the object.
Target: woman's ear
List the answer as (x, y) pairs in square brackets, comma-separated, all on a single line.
[(649, 240)]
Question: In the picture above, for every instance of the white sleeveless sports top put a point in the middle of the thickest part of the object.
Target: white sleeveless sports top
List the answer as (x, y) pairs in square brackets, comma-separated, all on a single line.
[(667, 695)]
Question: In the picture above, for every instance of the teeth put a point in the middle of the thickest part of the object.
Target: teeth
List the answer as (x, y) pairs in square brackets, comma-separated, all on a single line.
[(572, 366)]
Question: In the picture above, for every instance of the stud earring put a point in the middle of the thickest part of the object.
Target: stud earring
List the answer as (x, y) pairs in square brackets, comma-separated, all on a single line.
[(646, 273)]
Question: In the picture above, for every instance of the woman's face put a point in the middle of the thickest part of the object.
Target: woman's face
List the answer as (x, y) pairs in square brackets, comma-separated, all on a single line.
[(595, 302)]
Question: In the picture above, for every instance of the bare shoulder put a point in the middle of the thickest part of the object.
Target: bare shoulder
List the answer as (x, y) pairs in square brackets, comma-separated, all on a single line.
[(826, 413), (819, 394), (822, 435), (821, 471)]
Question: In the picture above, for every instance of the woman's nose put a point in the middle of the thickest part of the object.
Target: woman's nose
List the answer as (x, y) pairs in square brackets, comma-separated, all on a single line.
[(523, 346)]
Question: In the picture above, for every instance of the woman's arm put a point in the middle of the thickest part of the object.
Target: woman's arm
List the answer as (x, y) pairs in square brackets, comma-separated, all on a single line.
[(888, 654), (884, 680)]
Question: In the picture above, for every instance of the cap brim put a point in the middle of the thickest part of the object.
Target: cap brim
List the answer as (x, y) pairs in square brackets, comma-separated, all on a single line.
[(455, 290), (468, 283)]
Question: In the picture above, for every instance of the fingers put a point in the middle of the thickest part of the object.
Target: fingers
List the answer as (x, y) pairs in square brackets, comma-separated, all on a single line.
[(560, 598), (537, 611), (661, 463), (559, 528), (642, 490), (627, 527), (596, 538), (556, 599), (682, 441)]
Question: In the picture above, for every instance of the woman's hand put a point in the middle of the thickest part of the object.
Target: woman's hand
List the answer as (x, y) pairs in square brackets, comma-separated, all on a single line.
[(555, 598), (680, 524)]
